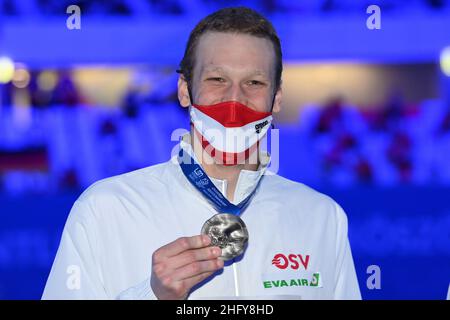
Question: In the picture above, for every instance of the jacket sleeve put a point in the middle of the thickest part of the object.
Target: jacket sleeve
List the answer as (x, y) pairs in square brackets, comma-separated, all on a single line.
[(76, 273), (346, 281)]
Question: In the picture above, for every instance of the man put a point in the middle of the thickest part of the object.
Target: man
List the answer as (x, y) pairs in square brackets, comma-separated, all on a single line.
[(137, 235)]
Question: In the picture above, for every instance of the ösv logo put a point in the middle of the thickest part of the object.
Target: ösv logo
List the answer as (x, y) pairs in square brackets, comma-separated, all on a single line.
[(292, 260)]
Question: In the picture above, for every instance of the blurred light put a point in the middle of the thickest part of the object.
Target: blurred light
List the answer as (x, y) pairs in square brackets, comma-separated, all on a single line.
[(6, 69), (21, 78), (102, 85), (21, 99), (445, 61), (47, 80)]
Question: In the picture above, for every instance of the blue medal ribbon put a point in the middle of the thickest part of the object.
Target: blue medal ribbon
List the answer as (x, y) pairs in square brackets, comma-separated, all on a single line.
[(200, 180)]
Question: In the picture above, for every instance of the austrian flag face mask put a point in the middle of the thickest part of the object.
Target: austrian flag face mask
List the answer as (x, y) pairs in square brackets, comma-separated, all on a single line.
[(229, 131)]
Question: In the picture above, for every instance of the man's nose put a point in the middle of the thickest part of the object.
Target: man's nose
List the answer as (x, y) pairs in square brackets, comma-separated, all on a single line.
[(234, 93)]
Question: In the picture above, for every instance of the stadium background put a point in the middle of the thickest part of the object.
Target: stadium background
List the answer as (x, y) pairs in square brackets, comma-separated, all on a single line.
[(366, 119)]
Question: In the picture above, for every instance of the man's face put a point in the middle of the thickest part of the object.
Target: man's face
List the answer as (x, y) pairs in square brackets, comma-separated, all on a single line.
[(233, 67)]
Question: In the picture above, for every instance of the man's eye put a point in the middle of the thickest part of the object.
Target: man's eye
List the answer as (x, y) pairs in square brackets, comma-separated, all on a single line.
[(255, 83), (216, 79)]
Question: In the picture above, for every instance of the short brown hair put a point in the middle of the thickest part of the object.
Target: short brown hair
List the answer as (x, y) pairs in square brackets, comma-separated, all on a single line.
[(234, 20)]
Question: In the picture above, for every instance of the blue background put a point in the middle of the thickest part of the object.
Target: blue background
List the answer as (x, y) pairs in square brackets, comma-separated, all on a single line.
[(402, 226)]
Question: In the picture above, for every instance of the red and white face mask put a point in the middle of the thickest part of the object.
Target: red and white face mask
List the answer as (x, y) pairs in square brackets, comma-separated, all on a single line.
[(229, 131)]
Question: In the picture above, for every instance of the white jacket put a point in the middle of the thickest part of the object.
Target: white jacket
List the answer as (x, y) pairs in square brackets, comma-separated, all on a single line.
[(298, 245)]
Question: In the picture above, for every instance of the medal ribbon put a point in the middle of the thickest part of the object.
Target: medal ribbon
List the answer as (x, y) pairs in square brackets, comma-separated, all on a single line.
[(200, 180)]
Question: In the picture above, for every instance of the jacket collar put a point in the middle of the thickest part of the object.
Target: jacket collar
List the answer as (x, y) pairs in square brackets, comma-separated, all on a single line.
[(247, 181)]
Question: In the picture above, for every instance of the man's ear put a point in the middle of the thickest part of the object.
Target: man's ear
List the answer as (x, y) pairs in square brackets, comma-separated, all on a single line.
[(183, 92), (277, 101)]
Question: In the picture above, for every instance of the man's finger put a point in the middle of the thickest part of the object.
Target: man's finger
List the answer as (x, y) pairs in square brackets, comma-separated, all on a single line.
[(192, 281), (182, 244), (196, 268), (193, 255)]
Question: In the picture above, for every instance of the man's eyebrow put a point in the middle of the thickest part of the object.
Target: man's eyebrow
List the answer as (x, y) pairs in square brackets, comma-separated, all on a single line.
[(213, 69), (259, 72), (256, 72)]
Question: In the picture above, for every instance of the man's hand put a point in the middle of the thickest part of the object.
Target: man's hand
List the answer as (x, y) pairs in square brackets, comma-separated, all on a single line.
[(180, 265)]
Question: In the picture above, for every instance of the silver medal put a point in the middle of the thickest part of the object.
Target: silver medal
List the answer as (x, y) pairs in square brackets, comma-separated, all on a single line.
[(228, 232)]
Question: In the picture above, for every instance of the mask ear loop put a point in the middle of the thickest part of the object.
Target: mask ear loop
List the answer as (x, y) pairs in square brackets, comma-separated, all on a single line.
[(273, 102), (190, 95), (179, 71)]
